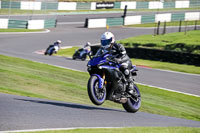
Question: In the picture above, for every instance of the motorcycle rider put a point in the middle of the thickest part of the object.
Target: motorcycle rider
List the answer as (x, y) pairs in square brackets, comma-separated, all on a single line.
[(57, 45), (119, 55), (87, 47)]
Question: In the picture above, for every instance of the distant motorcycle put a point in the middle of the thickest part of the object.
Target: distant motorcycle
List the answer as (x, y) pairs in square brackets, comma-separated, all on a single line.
[(52, 49), (107, 82), (81, 53)]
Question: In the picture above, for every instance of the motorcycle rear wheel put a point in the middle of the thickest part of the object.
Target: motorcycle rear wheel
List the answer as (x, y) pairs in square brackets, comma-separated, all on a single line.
[(97, 95), (131, 105)]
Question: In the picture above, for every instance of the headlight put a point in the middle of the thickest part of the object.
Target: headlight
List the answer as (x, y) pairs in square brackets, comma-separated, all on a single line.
[(100, 67)]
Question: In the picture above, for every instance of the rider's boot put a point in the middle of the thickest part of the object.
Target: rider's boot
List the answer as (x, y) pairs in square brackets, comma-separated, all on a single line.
[(130, 85), (130, 88)]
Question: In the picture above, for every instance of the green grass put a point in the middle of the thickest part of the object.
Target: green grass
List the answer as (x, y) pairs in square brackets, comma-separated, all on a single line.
[(19, 30), (178, 41), (27, 78), (140, 62), (175, 23), (68, 52), (131, 130)]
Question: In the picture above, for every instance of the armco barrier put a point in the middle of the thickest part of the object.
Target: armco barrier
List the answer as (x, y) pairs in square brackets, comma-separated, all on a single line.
[(27, 24), (142, 5), (147, 19), (17, 24), (178, 16), (117, 5), (142, 19), (194, 3), (169, 5), (14, 5), (35, 24), (36, 5), (4, 23), (83, 6), (49, 6), (161, 55), (49, 23), (115, 21)]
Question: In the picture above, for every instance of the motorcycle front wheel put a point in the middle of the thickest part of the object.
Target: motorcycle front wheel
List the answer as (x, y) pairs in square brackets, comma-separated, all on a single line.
[(74, 57), (133, 105), (51, 52), (97, 95), (84, 57)]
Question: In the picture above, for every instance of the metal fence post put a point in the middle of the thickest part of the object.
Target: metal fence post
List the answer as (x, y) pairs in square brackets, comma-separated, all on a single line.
[(164, 28), (185, 27), (158, 27), (195, 25), (180, 23)]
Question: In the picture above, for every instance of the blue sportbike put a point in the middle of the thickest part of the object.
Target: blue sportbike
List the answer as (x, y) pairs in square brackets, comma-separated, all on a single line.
[(107, 82)]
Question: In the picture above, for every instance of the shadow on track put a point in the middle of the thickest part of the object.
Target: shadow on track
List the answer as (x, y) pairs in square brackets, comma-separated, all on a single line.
[(68, 58), (70, 105)]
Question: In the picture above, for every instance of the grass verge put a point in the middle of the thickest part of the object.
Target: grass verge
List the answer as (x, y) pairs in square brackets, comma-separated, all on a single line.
[(27, 78), (178, 41), (140, 62), (132, 130), (68, 52), (19, 30)]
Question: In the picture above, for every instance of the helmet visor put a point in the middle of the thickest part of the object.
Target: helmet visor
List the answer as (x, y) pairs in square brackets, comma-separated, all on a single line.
[(106, 42)]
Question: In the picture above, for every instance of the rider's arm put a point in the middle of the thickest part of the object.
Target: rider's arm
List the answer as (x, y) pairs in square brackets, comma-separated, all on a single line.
[(122, 56)]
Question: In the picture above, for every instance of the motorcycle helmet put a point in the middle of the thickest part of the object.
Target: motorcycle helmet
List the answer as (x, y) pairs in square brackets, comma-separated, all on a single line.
[(58, 41), (107, 39), (87, 44)]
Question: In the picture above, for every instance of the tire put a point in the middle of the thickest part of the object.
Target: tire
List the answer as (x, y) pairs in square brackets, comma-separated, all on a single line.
[(131, 105), (84, 57), (74, 57), (96, 95), (51, 52)]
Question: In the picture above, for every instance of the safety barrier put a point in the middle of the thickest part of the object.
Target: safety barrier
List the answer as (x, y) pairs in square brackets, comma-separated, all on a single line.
[(35, 5), (114, 21), (17, 24), (142, 19), (49, 23), (160, 55), (27, 24)]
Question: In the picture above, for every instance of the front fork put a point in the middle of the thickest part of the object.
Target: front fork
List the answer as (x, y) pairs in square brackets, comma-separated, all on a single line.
[(101, 80)]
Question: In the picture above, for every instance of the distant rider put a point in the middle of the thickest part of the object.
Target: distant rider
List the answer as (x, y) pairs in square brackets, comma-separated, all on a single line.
[(119, 55), (87, 47), (56, 45)]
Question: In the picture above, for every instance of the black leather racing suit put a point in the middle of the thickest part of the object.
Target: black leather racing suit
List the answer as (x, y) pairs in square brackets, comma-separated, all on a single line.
[(118, 51)]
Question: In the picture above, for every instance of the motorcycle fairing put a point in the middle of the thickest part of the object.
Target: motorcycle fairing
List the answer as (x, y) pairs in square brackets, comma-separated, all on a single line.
[(96, 61)]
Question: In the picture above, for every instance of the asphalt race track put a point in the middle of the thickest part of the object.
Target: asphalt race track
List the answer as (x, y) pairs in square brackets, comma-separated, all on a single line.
[(19, 113)]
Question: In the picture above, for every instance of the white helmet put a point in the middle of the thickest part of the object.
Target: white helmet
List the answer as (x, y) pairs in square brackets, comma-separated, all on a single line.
[(58, 41), (87, 44), (106, 39)]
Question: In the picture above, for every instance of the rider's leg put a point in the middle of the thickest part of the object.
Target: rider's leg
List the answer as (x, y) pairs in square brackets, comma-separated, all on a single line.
[(125, 68)]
